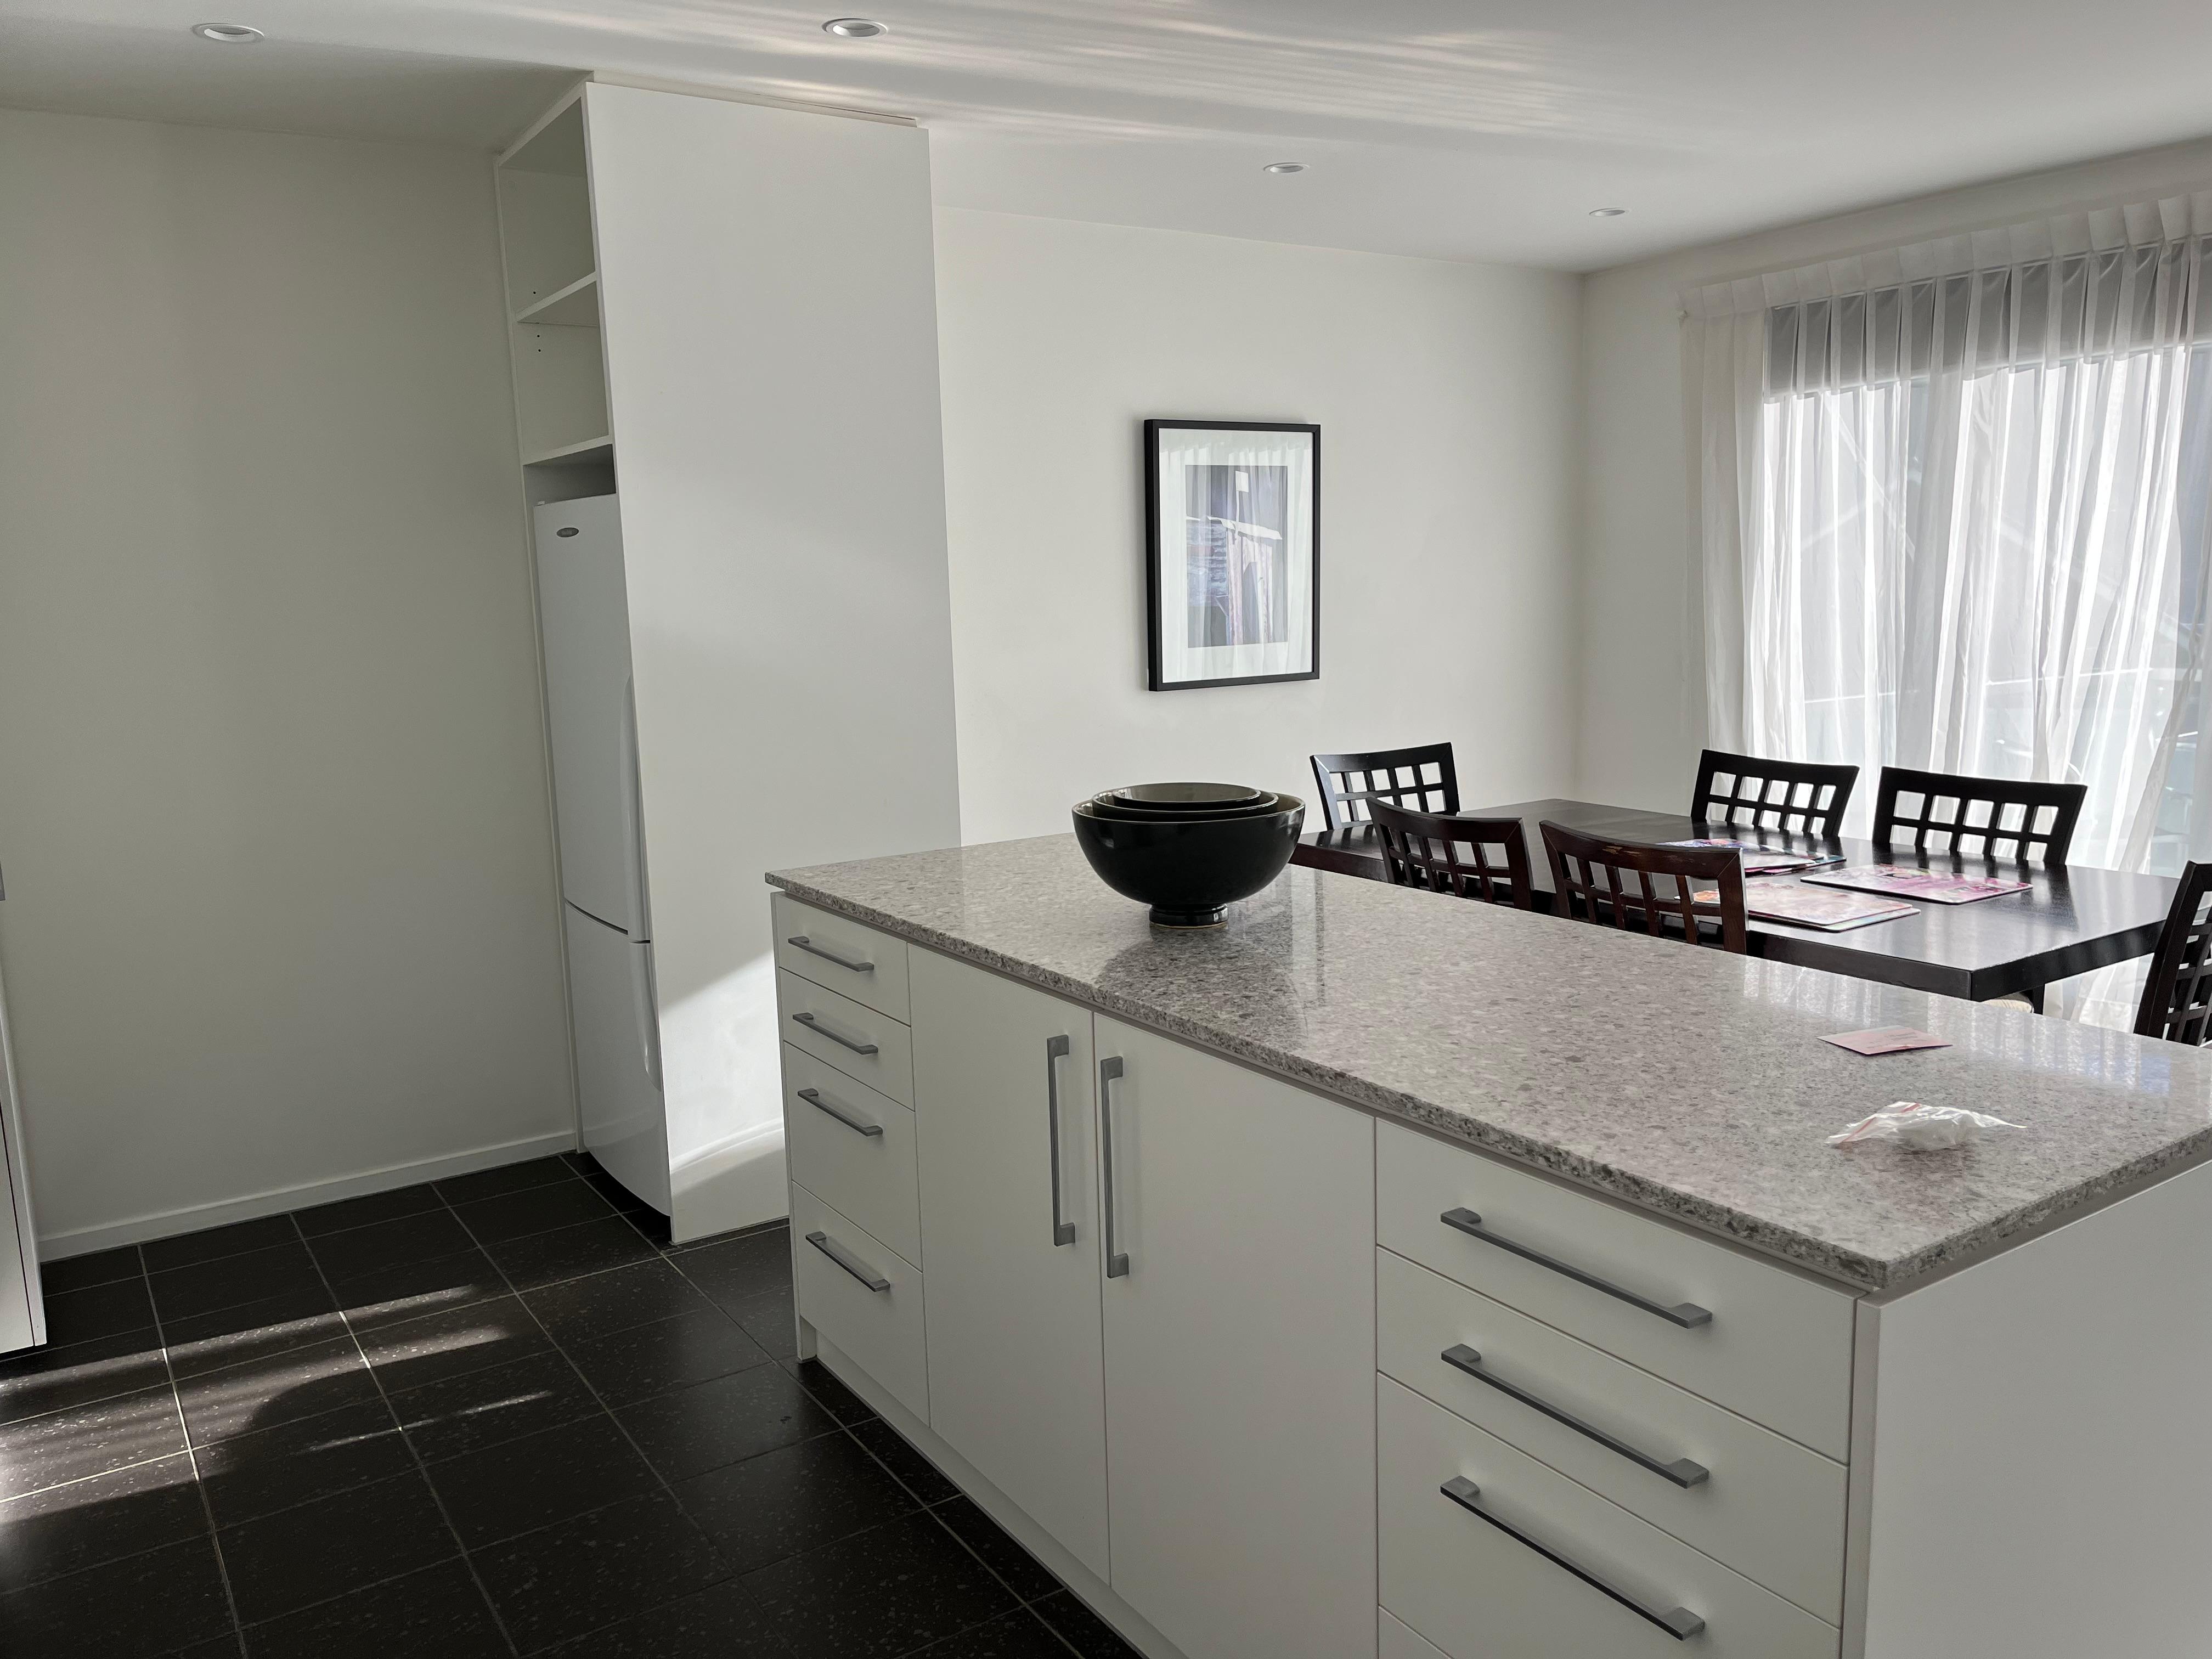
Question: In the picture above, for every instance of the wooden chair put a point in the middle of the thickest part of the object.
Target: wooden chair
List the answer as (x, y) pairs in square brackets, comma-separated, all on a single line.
[(1626, 883), (1422, 849), (1421, 780), (1976, 817), (2177, 999), (1803, 798)]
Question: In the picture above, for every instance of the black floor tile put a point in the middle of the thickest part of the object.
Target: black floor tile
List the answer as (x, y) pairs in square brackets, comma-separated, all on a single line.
[(1015, 1567), (532, 1210), (1020, 1635), (665, 1355), (601, 1304), (568, 1252), (840, 1401), (614, 1191), (484, 1408), (228, 1281), (798, 1499), (77, 1273), (882, 1594), (50, 1379), (282, 1388), (733, 1270), (214, 1243), (721, 1623), (98, 1311), (301, 1318), (914, 1472), (368, 1211), (1081, 1629), (437, 1611), (532, 1482), (507, 1178), (38, 1452), (229, 1646), (155, 1602), (771, 1320), (650, 1221), (255, 1475), (711, 1424), (298, 1557), (597, 1569), (68, 1529), (391, 1296), (379, 1245), (471, 1338)]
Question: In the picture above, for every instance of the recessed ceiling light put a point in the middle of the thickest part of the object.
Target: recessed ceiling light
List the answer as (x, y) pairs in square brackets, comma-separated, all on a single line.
[(1284, 167), (227, 34), (1607, 213), (854, 29)]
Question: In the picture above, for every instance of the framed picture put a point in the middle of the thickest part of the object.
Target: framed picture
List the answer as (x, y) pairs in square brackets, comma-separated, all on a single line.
[(1232, 552)]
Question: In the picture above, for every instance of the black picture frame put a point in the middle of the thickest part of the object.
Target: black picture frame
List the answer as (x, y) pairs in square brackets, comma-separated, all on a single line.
[(1155, 599)]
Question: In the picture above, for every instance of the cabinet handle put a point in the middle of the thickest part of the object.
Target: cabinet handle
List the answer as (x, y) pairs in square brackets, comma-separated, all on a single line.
[(813, 1097), (1056, 1050), (1678, 1622), (851, 1263), (1687, 1315), (1682, 1472), (814, 1024), (814, 950), (1117, 1260)]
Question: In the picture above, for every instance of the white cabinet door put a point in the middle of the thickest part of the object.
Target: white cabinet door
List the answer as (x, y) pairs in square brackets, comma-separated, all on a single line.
[(1017, 1383), (1240, 1354), (619, 1102)]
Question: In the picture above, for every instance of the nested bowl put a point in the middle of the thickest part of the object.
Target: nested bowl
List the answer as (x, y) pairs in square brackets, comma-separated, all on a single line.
[(1190, 870)]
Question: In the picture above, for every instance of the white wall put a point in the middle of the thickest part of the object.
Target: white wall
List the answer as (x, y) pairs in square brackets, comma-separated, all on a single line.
[(280, 906), (1642, 699), (1445, 394)]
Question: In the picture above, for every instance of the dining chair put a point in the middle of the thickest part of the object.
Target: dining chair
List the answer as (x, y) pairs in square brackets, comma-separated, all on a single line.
[(1423, 849), (2177, 999), (1420, 779), (2035, 820), (1803, 798), (1623, 883)]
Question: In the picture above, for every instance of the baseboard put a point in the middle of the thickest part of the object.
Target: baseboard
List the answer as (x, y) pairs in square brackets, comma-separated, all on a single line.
[(54, 1247)]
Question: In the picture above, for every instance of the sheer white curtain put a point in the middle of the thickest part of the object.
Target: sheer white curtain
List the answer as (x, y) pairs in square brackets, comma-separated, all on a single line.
[(1954, 512)]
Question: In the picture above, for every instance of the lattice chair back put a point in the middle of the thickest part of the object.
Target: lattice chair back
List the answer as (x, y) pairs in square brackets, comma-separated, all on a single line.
[(1473, 858), (1802, 798), (1993, 819), (2177, 999), (1420, 780), (1694, 893)]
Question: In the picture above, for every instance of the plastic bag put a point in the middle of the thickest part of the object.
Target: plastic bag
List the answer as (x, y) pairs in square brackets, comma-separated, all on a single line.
[(1919, 1129)]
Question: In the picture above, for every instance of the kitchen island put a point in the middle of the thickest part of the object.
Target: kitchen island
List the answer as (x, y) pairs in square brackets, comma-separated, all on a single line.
[(1381, 1274)]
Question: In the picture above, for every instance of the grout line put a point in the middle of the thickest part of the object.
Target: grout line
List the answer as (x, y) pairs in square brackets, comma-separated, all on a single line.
[(420, 1467)]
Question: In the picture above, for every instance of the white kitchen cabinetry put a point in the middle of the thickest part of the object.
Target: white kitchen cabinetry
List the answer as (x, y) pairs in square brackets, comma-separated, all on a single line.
[(1008, 1123), (1240, 1353)]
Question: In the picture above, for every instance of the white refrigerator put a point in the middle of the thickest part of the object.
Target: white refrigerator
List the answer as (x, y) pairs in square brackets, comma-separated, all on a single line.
[(584, 617)]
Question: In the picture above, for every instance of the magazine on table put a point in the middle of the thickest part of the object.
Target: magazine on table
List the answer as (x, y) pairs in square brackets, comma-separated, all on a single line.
[(1760, 860), (1908, 881), (1813, 907)]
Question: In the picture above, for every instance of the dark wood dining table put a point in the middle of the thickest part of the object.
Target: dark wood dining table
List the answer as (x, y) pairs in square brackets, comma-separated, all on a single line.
[(2071, 919)]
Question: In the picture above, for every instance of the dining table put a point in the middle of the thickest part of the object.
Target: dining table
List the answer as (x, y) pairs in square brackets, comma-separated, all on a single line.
[(2072, 918)]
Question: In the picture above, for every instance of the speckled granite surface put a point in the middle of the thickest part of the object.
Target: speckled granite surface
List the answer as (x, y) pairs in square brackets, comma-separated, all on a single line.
[(1685, 1081)]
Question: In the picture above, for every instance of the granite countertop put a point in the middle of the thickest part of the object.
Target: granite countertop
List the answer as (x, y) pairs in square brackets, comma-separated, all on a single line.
[(1688, 1082)]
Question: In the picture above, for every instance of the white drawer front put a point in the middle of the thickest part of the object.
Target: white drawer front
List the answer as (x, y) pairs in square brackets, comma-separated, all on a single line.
[(1763, 1504), (880, 1327), (858, 962), (859, 1041), (854, 1148), (1777, 1348), (1478, 1592)]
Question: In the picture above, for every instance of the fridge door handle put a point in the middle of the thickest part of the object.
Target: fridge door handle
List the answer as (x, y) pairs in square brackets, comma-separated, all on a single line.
[(633, 815), (644, 1003)]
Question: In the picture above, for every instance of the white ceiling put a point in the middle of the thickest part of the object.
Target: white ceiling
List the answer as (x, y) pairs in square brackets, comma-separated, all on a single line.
[(1459, 128)]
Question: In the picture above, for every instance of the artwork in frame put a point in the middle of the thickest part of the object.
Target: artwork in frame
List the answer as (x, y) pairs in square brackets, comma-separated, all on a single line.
[(1232, 552)]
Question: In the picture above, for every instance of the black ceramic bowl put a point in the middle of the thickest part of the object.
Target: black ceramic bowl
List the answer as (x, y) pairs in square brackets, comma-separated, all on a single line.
[(1185, 797), (1190, 870), (1107, 807)]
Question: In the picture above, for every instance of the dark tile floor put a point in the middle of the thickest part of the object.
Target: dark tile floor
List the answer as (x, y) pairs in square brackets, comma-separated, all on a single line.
[(490, 1415)]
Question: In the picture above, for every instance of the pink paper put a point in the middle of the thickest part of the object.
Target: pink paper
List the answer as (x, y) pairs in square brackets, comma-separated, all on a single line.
[(1886, 1040)]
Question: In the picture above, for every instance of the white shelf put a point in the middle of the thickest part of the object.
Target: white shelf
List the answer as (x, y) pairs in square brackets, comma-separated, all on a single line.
[(576, 305), (590, 449)]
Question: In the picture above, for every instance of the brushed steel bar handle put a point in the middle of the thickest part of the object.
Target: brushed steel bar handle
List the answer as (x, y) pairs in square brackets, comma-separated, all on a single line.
[(1687, 1315), (1682, 1472), (1056, 1050), (1678, 1622), (814, 1097), (1117, 1260), (814, 950), (851, 1263), (814, 1024)]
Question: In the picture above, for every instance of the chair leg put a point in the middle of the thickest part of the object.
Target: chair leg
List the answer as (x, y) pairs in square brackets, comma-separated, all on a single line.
[(2034, 996)]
